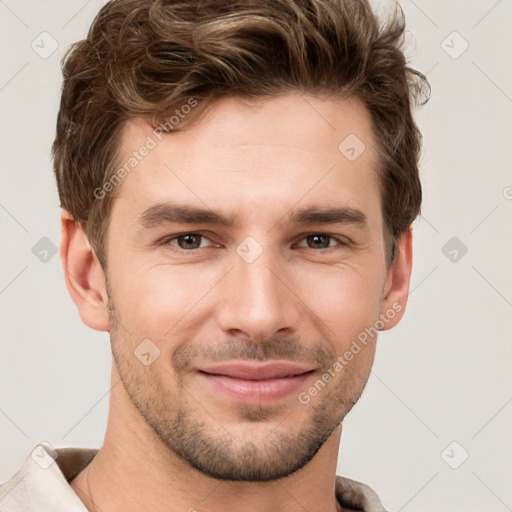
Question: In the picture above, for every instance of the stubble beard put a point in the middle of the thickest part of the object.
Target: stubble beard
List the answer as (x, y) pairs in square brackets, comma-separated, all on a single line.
[(203, 443)]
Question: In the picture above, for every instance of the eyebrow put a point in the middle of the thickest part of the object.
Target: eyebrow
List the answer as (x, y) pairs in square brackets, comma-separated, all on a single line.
[(166, 213), (340, 215)]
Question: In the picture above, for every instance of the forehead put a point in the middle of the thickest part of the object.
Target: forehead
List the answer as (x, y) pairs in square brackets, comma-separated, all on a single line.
[(271, 151), (296, 120)]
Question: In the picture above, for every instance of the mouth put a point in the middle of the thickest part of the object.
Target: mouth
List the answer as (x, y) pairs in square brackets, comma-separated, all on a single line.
[(254, 383)]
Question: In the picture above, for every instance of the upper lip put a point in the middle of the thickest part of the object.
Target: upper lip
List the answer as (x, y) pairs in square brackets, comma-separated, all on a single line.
[(250, 370)]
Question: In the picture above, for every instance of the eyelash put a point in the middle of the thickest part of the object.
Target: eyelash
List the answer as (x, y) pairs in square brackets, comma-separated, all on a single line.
[(341, 242)]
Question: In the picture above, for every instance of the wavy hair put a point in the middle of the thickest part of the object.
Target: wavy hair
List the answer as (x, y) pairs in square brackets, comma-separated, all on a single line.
[(146, 58)]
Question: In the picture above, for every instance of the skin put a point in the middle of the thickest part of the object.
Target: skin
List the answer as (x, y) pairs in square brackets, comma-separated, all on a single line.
[(173, 442)]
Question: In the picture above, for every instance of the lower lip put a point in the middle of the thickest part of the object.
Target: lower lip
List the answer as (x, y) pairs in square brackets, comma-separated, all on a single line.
[(255, 392)]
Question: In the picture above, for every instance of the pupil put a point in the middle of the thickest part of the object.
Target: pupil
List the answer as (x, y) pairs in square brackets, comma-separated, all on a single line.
[(317, 240), (189, 240), (320, 240)]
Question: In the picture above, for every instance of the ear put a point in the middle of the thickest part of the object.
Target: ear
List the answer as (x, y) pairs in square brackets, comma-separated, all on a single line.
[(84, 276), (396, 287)]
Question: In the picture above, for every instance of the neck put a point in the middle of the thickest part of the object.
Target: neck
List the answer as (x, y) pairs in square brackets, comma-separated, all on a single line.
[(134, 471)]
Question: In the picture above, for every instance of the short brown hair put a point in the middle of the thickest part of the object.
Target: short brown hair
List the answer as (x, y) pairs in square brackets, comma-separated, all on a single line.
[(145, 58)]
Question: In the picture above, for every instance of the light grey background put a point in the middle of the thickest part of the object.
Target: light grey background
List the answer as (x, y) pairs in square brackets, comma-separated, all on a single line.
[(442, 375)]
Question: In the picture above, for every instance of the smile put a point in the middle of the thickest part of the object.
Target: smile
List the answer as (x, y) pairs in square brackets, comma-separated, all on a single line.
[(255, 383)]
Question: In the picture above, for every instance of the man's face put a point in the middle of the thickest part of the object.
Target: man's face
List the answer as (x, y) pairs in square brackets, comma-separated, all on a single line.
[(246, 317)]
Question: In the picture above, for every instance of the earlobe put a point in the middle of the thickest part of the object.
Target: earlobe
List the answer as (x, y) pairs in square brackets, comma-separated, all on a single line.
[(396, 287), (83, 274)]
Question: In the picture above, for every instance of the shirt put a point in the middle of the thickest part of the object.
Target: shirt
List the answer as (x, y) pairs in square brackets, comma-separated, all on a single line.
[(42, 484)]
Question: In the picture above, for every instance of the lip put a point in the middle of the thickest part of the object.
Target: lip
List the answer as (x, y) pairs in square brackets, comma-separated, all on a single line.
[(255, 383)]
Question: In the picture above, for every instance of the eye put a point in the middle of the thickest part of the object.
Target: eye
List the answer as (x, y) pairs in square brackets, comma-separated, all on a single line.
[(192, 241), (187, 241), (321, 241)]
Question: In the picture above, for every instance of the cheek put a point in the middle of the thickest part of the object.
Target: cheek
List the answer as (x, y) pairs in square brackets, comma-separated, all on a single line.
[(155, 300), (345, 300), (161, 300)]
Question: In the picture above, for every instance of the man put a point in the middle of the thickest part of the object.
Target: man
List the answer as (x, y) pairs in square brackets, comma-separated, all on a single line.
[(238, 182)]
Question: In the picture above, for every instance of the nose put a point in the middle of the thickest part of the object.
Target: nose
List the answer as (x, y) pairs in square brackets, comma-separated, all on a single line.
[(258, 299)]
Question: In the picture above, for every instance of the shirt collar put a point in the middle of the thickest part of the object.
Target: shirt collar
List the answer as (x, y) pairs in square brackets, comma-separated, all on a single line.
[(43, 483)]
